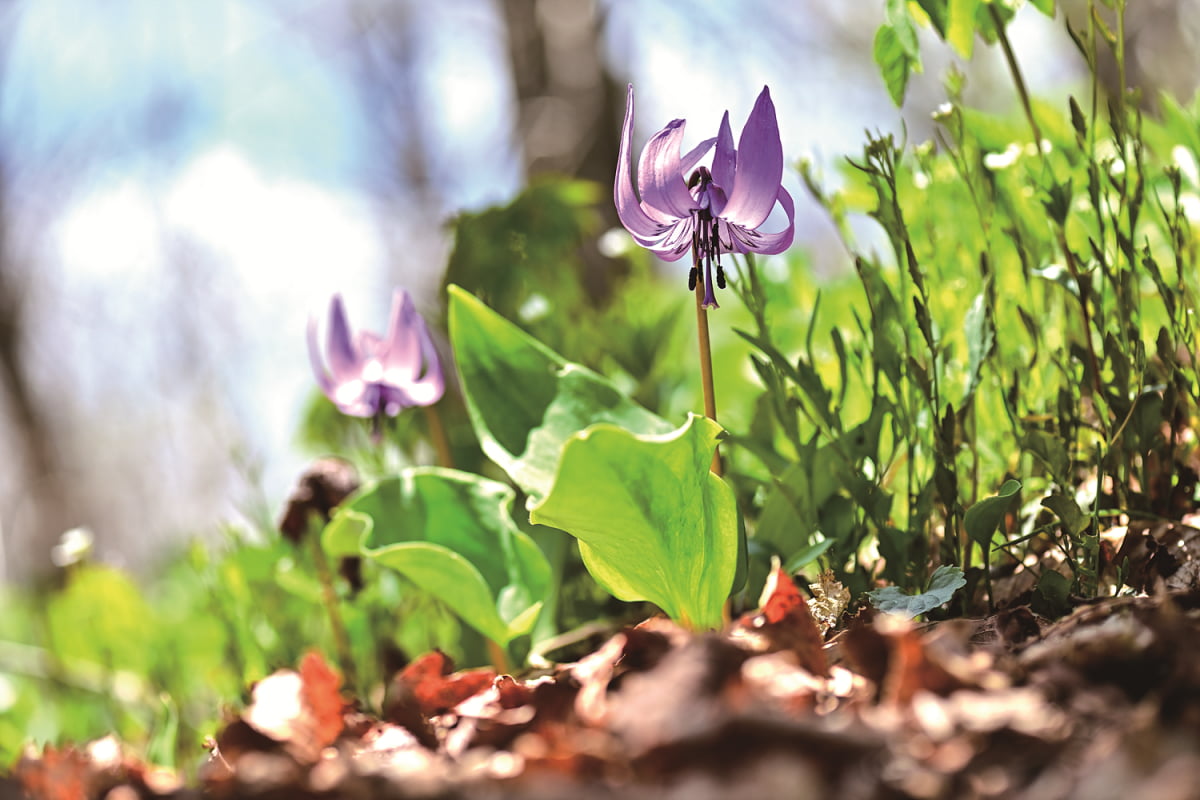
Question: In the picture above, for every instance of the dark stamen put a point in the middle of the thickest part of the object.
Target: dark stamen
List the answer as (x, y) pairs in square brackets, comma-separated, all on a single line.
[(692, 279), (720, 277)]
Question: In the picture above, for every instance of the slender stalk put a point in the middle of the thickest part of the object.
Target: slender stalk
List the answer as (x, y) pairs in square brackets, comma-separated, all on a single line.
[(1015, 71), (341, 640), (437, 433), (499, 658), (706, 371)]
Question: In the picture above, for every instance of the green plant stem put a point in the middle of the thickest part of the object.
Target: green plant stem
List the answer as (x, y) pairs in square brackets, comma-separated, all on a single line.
[(341, 641), (1018, 79), (706, 371), (499, 658), (437, 433), (1026, 104)]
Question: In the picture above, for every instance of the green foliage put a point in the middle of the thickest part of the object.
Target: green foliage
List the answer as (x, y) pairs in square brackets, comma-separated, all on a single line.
[(1021, 316), (524, 400), (897, 52), (944, 582), (451, 534), (653, 523), (983, 518)]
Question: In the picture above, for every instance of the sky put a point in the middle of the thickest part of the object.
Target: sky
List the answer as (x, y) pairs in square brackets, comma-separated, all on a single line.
[(220, 159)]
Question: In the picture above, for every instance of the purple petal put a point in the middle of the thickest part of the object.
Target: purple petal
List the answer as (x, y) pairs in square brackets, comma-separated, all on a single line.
[(339, 348), (409, 352), (725, 159), (314, 358), (660, 173), (745, 240), (401, 350), (357, 398), (759, 167), (689, 162), (629, 210)]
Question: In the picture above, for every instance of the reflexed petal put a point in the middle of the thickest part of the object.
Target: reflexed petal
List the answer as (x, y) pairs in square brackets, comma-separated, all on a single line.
[(629, 210), (660, 173), (339, 348), (412, 372), (759, 167), (314, 358), (746, 240), (401, 348), (772, 243), (725, 158), (689, 162)]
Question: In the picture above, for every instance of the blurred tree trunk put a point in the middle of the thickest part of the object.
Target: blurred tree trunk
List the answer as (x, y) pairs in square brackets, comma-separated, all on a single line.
[(568, 105), (36, 510)]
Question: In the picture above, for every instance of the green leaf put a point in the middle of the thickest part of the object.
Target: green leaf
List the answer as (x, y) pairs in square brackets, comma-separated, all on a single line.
[(1050, 450), (981, 338), (806, 555), (938, 12), (960, 31), (1052, 597), (653, 522), (1068, 511), (452, 534), (944, 582), (525, 400), (1044, 6), (983, 518), (896, 63), (901, 21)]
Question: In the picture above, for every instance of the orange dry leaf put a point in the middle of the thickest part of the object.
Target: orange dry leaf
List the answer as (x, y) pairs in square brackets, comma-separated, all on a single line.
[(301, 710), (785, 623), (321, 692), (58, 775), (435, 689)]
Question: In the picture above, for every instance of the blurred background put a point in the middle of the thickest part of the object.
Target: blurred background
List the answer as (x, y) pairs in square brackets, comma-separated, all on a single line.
[(184, 183)]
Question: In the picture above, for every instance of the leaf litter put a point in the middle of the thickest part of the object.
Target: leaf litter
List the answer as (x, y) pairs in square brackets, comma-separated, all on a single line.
[(1103, 702)]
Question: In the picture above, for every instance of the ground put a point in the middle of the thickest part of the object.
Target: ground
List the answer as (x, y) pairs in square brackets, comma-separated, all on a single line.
[(1102, 702)]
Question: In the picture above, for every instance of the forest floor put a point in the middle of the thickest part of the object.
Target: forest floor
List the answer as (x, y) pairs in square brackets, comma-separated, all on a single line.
[(1102, 702)]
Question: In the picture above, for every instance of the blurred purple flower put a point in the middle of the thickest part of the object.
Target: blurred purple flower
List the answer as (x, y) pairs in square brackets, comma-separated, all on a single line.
[(373, 377), (707, 210)]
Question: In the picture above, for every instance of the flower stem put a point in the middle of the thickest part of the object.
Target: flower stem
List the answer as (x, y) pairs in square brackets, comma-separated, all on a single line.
[(341, 641), (706, 371), (437, 432), (499, 658)]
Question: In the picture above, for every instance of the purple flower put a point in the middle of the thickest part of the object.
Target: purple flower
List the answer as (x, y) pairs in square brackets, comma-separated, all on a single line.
[(373, 377), (709, 210)]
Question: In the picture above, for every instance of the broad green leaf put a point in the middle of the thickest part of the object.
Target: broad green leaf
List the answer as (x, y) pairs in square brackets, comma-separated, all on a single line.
[(983, 518), (452, 534), (525, 400), (944, 582), (1044, 6), (653, 522)]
